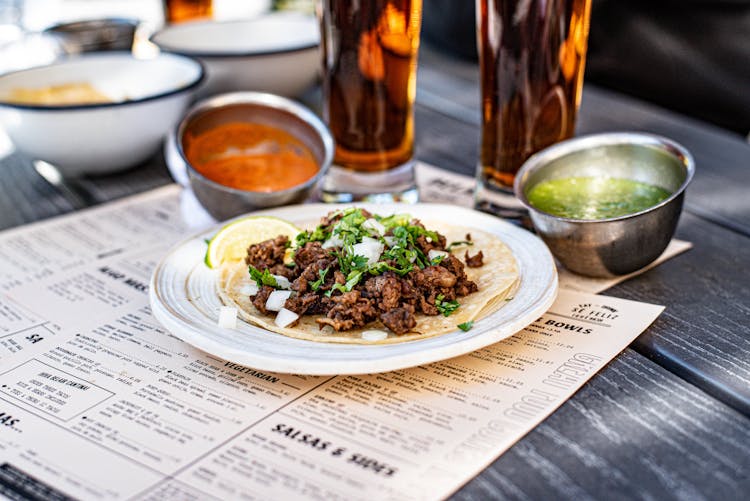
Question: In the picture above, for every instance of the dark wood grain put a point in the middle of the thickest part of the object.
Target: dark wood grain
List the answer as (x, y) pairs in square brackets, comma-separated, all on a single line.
[(445, 142), (634, 431), (147, 176), (25, 196)]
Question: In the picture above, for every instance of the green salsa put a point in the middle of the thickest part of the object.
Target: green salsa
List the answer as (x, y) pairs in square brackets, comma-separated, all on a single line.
[(594, 197)]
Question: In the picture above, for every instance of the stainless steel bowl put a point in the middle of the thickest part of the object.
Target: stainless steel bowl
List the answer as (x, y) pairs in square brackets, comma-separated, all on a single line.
[(223, 202), (620, 245), (96, 34)]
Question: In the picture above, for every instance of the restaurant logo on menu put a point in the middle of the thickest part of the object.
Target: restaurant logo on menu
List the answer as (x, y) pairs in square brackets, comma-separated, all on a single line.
[(599, 313)]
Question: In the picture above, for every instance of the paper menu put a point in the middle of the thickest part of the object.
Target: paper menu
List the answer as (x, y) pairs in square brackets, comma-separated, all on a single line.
[(136, 227), (108, 405)]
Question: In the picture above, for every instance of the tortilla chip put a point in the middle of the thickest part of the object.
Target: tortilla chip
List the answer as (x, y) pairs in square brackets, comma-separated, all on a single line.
[(496, 279)]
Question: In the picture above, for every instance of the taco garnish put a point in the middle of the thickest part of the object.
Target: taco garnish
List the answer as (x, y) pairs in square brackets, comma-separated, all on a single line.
[(358, 271)]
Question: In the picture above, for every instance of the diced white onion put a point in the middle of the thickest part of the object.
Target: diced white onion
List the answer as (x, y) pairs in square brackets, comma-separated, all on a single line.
[(250, 289), (333, 241), (374, 225), (391, 241), (285, 317), (282, 281), (369, 248), (374, 335), (435, 253), (227, 317), (277, 299)]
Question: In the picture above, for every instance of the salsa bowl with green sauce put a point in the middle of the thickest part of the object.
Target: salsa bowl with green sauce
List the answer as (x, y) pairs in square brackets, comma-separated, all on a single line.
[(606, 204)]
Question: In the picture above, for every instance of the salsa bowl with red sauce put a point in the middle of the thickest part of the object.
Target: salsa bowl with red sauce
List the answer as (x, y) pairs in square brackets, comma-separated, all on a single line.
[(250, 150)]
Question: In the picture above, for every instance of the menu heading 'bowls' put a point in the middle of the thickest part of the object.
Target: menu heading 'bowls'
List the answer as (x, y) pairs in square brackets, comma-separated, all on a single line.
[(619, 245)]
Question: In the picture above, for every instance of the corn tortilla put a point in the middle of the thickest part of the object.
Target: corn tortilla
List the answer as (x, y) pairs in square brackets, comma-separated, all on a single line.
[(496, 280)]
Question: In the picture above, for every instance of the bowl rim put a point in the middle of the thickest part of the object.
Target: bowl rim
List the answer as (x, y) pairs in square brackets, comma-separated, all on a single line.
[(115, 54), (227, 54), (258, 98), (579, 143), (114, 21)]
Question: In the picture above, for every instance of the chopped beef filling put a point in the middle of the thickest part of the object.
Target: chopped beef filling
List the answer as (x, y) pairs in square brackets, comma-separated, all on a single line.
[(259, 300), (300, 303), (267, 254), (385, 289), (399, 320), (310, 253), (475, 261), (350, 311), (349, 298)]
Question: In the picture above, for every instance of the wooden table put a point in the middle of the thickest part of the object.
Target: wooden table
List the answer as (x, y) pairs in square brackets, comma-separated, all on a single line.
[(670, 416)]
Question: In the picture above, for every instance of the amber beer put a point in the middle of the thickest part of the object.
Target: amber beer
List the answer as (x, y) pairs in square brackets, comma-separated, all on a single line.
[(532, 55), (179, 11), (369, 61)]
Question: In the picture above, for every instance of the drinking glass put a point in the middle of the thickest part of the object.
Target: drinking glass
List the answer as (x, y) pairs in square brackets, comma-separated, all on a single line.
[(178, 11), (531, 56), (369, 52)]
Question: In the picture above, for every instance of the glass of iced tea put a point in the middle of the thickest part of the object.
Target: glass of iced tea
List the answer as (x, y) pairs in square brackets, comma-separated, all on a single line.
[(369, 51), (531, 56), (179, 11)]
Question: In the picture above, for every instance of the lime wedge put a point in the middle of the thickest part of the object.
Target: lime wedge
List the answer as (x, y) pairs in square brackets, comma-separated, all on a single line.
[(231, 242)]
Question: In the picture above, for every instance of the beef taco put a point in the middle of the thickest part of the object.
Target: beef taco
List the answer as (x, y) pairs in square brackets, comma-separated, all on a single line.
[(365, 279)]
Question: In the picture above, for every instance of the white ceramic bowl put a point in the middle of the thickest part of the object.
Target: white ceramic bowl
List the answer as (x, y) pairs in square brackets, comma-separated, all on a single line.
[(150, 96), (276, 53)]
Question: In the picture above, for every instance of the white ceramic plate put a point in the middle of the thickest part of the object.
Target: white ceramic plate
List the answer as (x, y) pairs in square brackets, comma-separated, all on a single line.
[(184, 300)]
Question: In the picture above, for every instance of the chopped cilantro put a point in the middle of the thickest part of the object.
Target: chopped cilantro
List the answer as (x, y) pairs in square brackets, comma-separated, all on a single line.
[(400, 223), (402, 253), (351, 280), (349, 227), (381, 267), (263, 278), (401, 256), (466, 326), (349, 261), (418, 231), (393, 221), (319, 234), (445, 307), (302, 238), (317, 283), (458, 244), (422, 260), (437, 260)]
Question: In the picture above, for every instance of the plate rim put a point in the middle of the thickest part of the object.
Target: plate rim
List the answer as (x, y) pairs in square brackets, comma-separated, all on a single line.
[(356, 365)]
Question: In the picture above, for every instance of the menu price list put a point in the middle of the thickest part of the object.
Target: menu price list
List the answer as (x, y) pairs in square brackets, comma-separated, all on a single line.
[(114, 407)]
